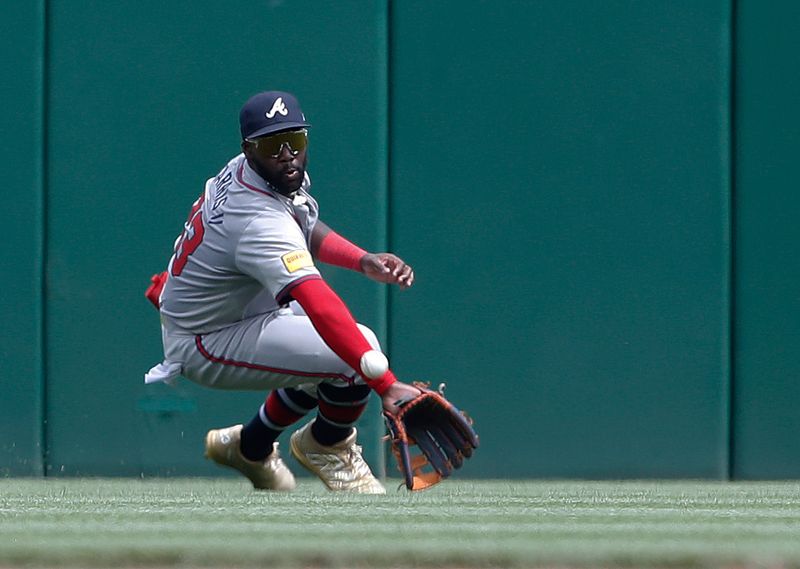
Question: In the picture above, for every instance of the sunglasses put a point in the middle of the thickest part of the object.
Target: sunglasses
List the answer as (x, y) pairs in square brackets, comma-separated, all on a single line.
[(272, 146)]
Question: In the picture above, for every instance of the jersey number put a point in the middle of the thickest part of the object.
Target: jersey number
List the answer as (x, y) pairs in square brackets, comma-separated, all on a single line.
[(191, 237)]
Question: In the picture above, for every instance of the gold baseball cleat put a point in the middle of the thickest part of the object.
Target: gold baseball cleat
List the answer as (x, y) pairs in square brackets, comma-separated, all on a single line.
[(340, 467), (222, 446)]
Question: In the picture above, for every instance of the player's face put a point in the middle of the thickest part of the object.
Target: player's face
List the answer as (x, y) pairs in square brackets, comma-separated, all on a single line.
[(280, 159)]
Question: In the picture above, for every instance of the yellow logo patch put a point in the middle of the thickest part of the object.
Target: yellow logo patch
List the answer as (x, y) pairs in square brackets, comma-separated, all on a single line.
[(296, 260)]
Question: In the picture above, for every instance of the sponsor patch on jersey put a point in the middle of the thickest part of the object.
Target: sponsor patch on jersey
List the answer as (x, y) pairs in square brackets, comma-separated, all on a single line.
[(297, 260)]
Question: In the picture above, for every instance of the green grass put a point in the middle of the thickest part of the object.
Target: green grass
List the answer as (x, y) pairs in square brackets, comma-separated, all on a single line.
[(223, 523)]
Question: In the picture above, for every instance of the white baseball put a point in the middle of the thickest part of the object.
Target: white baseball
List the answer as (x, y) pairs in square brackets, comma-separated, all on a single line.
[(373, 364)]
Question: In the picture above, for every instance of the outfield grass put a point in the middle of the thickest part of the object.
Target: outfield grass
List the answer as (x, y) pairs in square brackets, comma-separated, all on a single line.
[(223, 523)]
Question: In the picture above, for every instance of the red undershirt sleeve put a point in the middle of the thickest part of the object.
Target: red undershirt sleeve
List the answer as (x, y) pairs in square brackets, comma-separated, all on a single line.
[(336, 250), (337, 327)]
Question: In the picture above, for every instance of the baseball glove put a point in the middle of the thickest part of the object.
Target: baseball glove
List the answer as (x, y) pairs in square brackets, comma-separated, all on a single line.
[(429, 437)]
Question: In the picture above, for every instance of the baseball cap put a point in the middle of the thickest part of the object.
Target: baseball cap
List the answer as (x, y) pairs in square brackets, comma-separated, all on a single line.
[(268, 112)]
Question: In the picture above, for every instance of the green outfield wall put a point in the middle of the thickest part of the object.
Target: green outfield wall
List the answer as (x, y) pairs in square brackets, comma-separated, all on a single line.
[(598, 199), (767, 241), (144, 100), (576, 242), (21, 249)]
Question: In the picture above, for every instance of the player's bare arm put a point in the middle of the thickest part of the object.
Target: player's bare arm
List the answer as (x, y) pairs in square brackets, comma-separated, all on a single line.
[(329, 247), (321, 230)]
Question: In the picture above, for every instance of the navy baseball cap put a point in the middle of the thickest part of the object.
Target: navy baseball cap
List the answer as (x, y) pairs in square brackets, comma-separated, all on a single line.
[(269, 112)]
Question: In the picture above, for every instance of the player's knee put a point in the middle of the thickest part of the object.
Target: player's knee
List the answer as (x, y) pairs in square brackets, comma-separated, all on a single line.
[(370, 336)]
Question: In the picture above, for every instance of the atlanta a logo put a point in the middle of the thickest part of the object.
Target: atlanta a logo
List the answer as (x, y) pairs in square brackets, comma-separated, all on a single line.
[(277, 107)]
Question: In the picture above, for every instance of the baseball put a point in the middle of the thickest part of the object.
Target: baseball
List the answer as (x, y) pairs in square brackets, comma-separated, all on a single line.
[(373, 364)]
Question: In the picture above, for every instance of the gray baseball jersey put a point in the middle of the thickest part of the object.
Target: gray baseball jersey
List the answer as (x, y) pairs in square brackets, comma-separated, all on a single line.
[(242, 247)]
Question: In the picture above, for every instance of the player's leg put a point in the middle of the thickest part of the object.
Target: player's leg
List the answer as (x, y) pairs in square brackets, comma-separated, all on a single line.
[(341, 404), (339, 409), (281, 351), (282, 408), (262, 353), (327, 445)]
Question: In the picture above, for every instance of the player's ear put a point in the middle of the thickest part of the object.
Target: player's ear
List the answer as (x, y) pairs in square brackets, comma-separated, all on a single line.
[(247, 148)]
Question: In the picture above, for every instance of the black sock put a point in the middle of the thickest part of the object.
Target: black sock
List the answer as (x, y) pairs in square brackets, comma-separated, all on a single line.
[(257, 439), (339, 409), (282, 408)]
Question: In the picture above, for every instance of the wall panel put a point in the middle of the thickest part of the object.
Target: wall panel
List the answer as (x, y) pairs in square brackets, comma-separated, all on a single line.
[(144, 104), (559, 179), (767, 276), (556, 172), (21, 61)]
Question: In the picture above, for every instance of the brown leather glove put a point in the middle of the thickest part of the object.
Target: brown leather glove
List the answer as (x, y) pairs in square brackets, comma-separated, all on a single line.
[(430, 438)]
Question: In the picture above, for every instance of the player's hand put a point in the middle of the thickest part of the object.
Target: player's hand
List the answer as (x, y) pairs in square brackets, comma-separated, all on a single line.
[(397, 394), (387, 268)]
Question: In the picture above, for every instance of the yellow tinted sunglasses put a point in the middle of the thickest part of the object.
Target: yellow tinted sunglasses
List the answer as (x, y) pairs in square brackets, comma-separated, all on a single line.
[(271, 146)]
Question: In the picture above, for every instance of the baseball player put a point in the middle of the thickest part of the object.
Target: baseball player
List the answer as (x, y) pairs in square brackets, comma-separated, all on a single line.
[(243, 306)]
